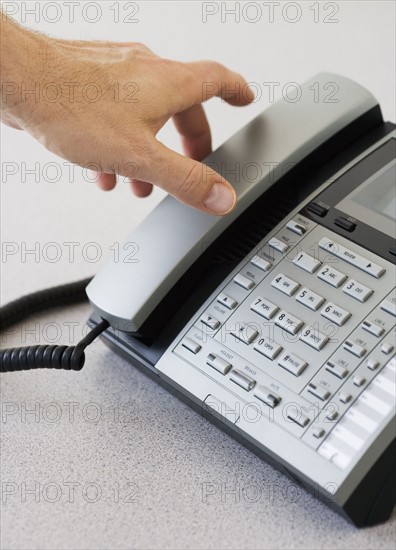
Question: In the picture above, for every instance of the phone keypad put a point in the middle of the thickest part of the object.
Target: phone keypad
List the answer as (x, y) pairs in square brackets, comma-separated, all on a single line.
[(307, 320)]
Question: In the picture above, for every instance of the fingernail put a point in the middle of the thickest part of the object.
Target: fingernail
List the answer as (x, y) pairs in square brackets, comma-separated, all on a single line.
[(220, 199)]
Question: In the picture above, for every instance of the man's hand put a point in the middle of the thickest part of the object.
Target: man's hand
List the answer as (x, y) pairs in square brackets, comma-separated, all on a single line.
[(101, 104)]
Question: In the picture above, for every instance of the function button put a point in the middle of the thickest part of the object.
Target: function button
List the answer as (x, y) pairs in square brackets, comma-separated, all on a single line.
[(317, 209), (266, 396), (296, 227), (242, 380), (218, 363), (354, 348), (387, 348), (295, 415), (227, 301), (285, 285), (337, 370), (318, 391), (314, 338), (358, 380), (335, 313), (278, 244), (357, 291), (268, 348), (309, 299), (307, 262), (261, 263), (373, 328), (243, 281), (191, 345), (210, 321), (351, 257), (292, 363), (373, 364), (345, 224), (288, 322), (263, 307), (331, 416), (345, 397), (318, 432), (332, 276), (389, 307), (244, 333)]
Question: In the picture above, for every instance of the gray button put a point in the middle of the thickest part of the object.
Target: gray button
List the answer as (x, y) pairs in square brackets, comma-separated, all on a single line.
[(351, 257), (242, 379), (358, 380), (268, 348), (331, 416), (354, 348), (296, 227), (288, 322), (285, 285), (307, 262), (292, 363), (389, 307), (373, 328), (263, 307), (266, 396), (227, 301), (261, 263), (192, 346), (314, 338), (387, 348), (210, 321), (357, 290), (318, 432), (218, 363), (337, 370), (244, 333), (298, 417), (335, 313), (318, 391), (332, 276), (309, 299), (373, 364), (345, 397), (243, 281), (278, 244)]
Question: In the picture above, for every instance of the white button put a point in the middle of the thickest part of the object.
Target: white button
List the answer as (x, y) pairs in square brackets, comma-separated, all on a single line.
[(331, 415), (288, 322), (263, 307), (210, 321), (318, 391), (261, 263), (351, 257), (373, 364), (358, 380), (267, 348), (227, 301), (266, 396), (243, 281), (309, 299), (389, 307), (218, 363), (279, 245), (354, 348), (314, 338), (318, 432), (373, 328), (387, 348), (192, 346), (332, 276), (242, 379), (292, 363), (337, 370), (294, 414), (345, 397), (296, 227), (285, 285), (335, 313), (306, 262), (357, 291), (244, 333)]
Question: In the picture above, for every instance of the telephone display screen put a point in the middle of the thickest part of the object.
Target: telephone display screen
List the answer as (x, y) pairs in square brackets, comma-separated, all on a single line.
[(374, 201)]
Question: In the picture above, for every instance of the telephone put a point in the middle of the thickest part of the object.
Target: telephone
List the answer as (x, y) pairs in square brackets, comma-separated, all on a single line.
[(277, 321)]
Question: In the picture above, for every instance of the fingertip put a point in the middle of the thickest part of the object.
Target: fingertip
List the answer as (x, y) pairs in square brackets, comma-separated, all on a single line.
[(141, 188), (105, 181)]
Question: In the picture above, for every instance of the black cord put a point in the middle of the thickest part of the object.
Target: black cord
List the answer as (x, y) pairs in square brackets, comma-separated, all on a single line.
[(45, 356)]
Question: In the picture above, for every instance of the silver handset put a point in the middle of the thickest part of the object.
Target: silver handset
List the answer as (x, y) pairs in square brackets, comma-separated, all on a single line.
[(172, 237)]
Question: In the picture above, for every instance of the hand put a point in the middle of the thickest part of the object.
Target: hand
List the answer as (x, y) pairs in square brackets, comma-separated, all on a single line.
[(138, 93)]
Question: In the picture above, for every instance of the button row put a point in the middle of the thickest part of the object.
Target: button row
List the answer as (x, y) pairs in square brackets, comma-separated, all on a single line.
[(351, 257)]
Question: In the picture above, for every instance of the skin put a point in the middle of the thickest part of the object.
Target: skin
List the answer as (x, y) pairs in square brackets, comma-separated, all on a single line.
[(117, 135)]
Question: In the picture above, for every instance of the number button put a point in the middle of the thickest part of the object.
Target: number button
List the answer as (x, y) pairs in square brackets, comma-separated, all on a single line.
[(314, 338), (288, 322), (285, 285), (268, 348), (309, 299), (357, 291), (263, 307), (335, 313), (307, 262), (332, 276)]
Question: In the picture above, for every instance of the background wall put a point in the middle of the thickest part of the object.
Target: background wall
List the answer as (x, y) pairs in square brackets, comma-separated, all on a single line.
[(159, 445)]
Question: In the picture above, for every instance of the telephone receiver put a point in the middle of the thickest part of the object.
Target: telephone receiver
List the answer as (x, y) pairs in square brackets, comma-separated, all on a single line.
[(173, 235)]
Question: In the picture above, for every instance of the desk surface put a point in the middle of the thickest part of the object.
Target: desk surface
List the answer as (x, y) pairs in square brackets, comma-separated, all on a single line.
[(113, 459)]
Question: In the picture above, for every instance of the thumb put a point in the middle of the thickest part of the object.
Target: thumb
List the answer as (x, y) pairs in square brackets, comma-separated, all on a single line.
[(190, 181)]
